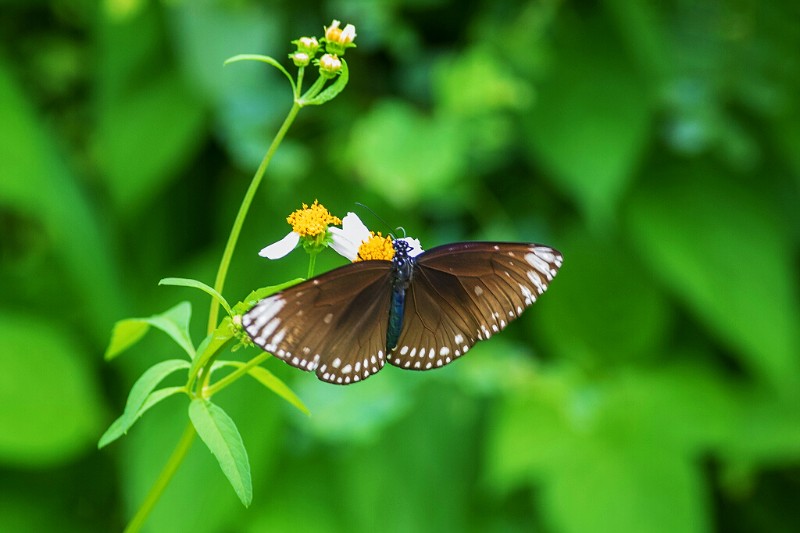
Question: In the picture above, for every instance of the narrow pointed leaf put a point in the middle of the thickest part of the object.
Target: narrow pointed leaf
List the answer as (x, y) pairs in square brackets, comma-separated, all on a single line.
[(272, 382), (174, 322), (264, 59), (332, 91), (219, 433), (213, 343), (258, 294), (186, 282), (139, 399), (126, 333)]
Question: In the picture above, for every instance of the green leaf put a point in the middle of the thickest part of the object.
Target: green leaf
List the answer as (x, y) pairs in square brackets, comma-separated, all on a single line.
[(186, 282), (219, 433), (440, 147), (607, 489), (264, 59), (213, 342), (37, 183), (126, 333), (591, 121), (141, 398), (729, 259), (136, 169), (589, 310), (174, 322), (330, 92), (259, 294), (50, 396), (272, 382), (606, 454)]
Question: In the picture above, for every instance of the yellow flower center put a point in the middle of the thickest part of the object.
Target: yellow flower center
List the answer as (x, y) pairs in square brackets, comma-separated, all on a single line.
[(312, 220), (377, 247)]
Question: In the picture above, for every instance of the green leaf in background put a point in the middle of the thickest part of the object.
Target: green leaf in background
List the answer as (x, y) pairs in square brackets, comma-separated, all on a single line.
[(625, 489), (591, 121), (139, 399), (438, 147), (50, 405), (219, 433), (132, 111), (615, 449), (603, 308), (174, 322), (270, 381), (184, 282), (715, 244), (248, 103), (768, 431), (35, 181)]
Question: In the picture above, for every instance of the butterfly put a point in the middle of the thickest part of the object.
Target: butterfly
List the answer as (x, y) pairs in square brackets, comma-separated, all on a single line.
[(417, 311)]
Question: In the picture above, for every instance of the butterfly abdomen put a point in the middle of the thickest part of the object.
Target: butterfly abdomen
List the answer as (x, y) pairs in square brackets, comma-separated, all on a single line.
[(395, 317), (402, 272)]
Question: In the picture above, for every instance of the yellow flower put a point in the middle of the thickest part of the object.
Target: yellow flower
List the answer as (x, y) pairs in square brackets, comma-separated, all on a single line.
[(376, 247), (310, 222), (357, 243)]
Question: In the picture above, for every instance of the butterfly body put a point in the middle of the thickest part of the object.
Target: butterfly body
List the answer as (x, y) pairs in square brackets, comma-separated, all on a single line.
[(402, 272), (416, 311)]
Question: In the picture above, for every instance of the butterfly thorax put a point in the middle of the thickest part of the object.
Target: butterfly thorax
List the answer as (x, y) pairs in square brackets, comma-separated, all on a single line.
[(402, 272)]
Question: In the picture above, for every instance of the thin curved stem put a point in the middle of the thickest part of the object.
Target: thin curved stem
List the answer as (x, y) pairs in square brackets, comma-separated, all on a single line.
[(236, 374), (233, 238), (182, 448), (163, 480)]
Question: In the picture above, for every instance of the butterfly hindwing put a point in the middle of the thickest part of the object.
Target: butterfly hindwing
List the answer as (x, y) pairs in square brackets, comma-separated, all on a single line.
[(333, 324), (465, 292)]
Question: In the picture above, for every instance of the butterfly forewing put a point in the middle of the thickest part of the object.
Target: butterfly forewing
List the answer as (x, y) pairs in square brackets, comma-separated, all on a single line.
[(333, 324), (465, 292)]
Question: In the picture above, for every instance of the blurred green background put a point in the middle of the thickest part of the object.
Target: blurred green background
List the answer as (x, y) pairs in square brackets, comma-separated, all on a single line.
[(655, 388)]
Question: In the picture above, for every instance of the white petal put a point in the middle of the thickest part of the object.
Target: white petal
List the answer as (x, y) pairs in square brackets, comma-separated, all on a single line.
[(416, 247), (353, 226), (282, 247), (342, 245), (347, 240)]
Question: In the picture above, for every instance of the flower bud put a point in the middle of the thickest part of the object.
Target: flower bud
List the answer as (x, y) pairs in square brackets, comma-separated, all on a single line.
[(329, 66), (338, 40), (307, 45), (300, 59)]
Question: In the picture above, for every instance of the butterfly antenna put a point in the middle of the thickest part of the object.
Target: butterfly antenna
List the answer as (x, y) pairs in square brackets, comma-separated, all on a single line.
[(378, 217)]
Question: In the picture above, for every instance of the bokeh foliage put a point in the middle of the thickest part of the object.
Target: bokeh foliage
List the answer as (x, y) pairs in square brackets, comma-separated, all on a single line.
[(656, 387)]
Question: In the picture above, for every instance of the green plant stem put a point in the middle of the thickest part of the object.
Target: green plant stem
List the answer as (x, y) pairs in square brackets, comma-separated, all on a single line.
[(163, 480), (312, 261), (236, 374), (233, 238), (182, 448)]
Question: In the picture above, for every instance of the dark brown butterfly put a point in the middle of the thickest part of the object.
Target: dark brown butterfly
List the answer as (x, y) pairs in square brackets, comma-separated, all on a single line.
[(417, 312)]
